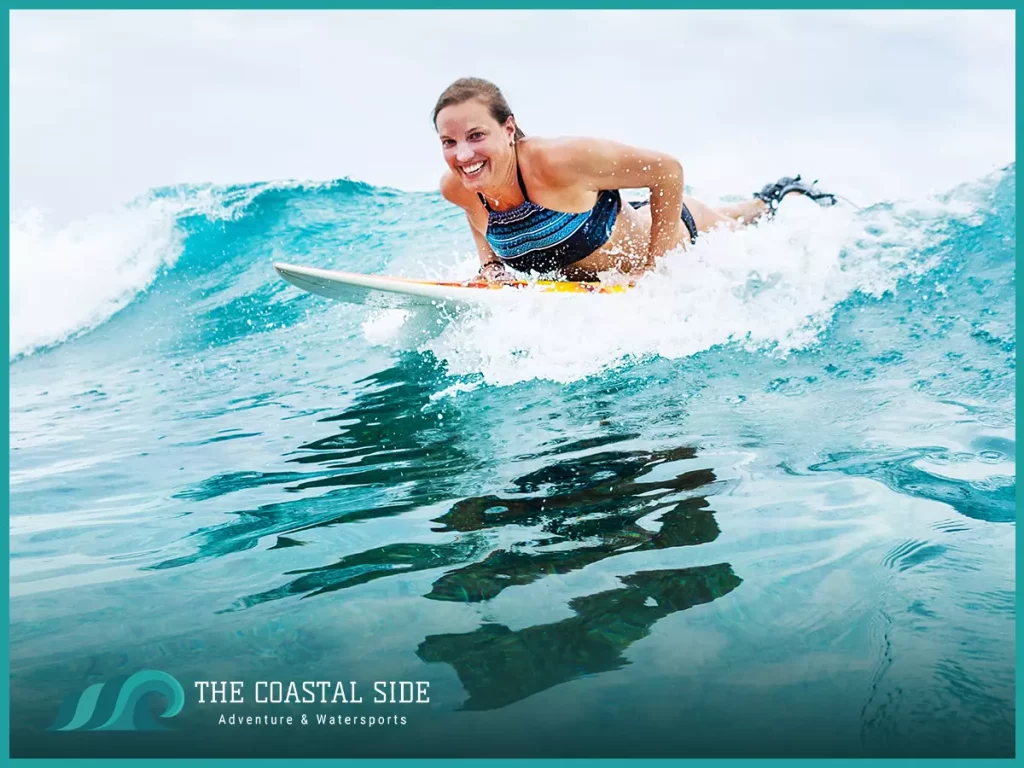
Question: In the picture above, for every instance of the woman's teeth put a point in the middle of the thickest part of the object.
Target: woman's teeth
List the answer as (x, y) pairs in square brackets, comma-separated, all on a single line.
[(471, 169)]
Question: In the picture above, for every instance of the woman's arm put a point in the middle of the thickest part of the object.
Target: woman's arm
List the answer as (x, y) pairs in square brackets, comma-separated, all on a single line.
[(598, 164), (491, 267)]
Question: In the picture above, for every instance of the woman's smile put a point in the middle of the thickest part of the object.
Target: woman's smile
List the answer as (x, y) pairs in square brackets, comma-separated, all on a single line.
[(473, 170)]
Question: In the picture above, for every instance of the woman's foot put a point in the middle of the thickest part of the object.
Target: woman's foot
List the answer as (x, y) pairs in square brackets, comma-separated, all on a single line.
[(772, 194)]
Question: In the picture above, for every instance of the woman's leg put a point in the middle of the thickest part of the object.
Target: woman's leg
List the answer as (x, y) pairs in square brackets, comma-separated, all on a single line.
[(745, 212), (729, 216), (738, 215), (751, 210)]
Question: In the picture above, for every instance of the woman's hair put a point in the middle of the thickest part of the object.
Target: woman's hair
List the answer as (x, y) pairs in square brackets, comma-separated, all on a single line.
[(466, 88)]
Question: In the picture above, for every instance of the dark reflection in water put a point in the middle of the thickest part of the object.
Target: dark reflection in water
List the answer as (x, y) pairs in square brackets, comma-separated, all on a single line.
[(384, 439), (686, 523), (498, 666), (582, 510), (581, 502)]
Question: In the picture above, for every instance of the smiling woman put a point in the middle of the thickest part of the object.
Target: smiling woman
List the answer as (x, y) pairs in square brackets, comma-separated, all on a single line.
[(553, 205)]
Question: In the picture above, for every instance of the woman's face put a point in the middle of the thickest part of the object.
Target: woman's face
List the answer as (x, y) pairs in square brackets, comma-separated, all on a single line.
[(475, 145)]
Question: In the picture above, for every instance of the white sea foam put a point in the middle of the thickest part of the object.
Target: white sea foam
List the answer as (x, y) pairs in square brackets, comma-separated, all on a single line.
[(772, 287)]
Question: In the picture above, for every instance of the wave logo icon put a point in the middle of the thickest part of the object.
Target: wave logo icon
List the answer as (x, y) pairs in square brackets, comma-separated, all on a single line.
[(118, 704)]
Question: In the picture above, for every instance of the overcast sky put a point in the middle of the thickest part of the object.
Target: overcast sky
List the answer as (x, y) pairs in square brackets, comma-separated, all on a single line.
[(105, 105)]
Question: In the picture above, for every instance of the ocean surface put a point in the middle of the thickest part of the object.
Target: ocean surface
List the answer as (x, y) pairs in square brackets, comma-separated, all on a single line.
[(760, 505)]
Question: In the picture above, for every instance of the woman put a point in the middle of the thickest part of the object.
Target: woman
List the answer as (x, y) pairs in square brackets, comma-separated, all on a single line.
[(552, 205)]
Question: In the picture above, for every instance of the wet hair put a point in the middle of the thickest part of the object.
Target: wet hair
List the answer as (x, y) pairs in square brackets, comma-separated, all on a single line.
[(466, 88)]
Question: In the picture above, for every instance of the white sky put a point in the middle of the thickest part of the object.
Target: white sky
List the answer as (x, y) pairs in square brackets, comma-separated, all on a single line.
[(105, 105)]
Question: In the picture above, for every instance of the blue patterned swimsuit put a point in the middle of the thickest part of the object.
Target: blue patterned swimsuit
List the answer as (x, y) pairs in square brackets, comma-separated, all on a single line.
[(531, 238)]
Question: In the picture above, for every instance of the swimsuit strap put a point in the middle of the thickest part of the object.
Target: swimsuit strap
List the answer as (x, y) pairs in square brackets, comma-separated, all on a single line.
[(519, 178), (519, 173)]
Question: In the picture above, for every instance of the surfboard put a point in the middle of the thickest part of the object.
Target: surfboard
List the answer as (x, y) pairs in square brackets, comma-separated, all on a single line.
[(355, 288)]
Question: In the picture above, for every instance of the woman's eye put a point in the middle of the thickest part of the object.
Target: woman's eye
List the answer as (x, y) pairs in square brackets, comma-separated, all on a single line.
[(476, 135), (447, 142)]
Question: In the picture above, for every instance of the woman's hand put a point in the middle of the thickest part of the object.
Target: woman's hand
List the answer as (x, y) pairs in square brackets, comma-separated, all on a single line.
[(495, 272)]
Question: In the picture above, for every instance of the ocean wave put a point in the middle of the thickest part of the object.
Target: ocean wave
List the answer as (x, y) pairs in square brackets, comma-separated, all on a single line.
[(772, 287), (69, 280)]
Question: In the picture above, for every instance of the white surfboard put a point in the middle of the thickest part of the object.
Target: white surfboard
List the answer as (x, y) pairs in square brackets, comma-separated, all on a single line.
[(354, 288)]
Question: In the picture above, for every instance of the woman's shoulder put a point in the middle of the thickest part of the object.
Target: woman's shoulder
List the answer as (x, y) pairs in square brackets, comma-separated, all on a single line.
[(553, 159), (543, 151)]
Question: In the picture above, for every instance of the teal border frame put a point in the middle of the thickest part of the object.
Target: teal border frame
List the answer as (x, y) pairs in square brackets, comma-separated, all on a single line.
[(449, 5), (438, 5), (6, 299)]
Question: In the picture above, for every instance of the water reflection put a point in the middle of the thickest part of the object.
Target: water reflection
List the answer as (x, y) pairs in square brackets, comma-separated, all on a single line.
[(498, 666), (994, 502), (574, 512), (686, 523), (384, 441)]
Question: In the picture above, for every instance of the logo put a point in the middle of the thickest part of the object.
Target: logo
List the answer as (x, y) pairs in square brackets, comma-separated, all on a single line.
[(118, 704)]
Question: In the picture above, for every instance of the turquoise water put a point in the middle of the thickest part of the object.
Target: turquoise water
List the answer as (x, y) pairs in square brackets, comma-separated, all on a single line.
[(763, 505)]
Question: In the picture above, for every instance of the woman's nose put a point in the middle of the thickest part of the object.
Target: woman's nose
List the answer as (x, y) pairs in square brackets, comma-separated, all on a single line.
[(463, 153)]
